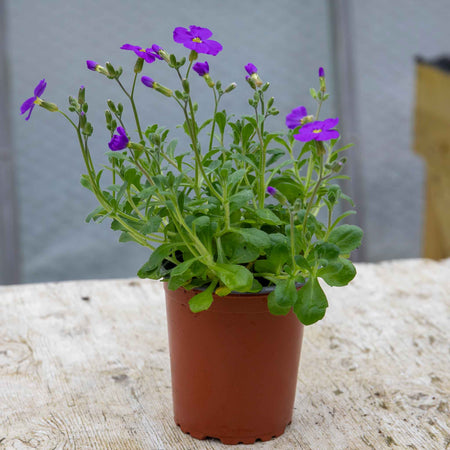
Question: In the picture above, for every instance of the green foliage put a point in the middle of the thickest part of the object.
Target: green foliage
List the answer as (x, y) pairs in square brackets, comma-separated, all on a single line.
[(311, 302), (200, 204)]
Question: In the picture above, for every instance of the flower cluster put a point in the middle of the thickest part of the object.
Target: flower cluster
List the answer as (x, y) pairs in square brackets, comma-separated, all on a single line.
[(238, 210)]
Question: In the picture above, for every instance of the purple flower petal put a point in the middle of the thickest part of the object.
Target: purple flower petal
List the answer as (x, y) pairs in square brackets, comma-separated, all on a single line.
[(156, 48), (321, 72), (147, 81), (201, 68), (293, 119), (27, 104), (330, 123), (202, 33), (130, 47), (327, 135), (40, 88), (251, 68), (197, 39), (147, 56), (91, 65), (305, 135), (271, 190), (214, 47), (181, 35), (31, 110), (119, 141)]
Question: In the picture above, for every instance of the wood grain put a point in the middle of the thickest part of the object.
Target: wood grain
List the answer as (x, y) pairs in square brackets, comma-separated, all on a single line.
[(432, 141), (84, 365)]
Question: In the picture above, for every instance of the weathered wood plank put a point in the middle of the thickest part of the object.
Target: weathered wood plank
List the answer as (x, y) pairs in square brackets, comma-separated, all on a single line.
[(84, 365)]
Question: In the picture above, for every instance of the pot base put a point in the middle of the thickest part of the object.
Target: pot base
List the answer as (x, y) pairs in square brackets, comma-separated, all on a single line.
[(227, 440)]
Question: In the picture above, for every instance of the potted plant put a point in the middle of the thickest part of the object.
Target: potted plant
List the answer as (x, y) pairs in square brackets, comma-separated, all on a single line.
[(230, 216)]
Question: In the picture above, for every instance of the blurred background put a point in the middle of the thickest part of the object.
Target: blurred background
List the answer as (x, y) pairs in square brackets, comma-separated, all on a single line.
[(368, 50)]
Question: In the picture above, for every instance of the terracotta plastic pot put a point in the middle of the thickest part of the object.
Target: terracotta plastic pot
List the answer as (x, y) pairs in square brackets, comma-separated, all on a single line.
[(234, 367)]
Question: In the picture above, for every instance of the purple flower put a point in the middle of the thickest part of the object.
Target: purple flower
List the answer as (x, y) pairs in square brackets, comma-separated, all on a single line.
[(271, 190), (251, 69), (149, 82), (318, 131), (147, 54), (201, 68), (28, 105), (197, 39), (91, 65), (321, 72), (119, 141), (293, 119)]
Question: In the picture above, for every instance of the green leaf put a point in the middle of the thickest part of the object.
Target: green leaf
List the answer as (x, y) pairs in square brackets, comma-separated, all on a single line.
[(290, 189), (240, 199), (171, 147), (327, 251), (86, 182), (285, 293), (267, 216), (237, 250), (180, 274), (221, 120), (276, 258), (94, 215), (339, 273), (237, 278), (346, 237), (126, 237), (236, 176), (159, 254), (152, 225), (311, 302), (247, 132), (255, 237), (276, 154), (303, 263), (275, 308), (203, 300)]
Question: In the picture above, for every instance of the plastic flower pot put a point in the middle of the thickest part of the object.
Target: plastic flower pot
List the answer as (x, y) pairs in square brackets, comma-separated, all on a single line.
[(234, 367)]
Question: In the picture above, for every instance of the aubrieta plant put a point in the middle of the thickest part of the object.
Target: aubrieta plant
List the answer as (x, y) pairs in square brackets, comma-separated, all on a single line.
[(235, 207)]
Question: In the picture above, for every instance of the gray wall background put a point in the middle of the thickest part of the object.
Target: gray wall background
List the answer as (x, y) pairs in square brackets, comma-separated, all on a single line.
[(288, 40)]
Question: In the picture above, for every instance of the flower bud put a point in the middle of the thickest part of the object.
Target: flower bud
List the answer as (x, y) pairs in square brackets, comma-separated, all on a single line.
[(323, 86), (82, 119), (136, 146), (276, 194), (320, 148), (230, 88), (47, 105), (185, 84), (337, 166), (251, 82), (161, 52), (257, 80), (138, 66), (111, 105), (193, 55), (108, 116), (81, 95), (162, 89), (307, 119), (149, 82), (208, 80), (110, 68)]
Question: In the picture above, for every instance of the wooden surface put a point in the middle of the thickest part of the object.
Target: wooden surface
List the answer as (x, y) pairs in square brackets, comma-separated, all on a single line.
[(85, 365), (432, 142)]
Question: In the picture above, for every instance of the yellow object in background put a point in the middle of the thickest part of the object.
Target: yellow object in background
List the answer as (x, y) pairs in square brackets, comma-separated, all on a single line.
[(432, 141)]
